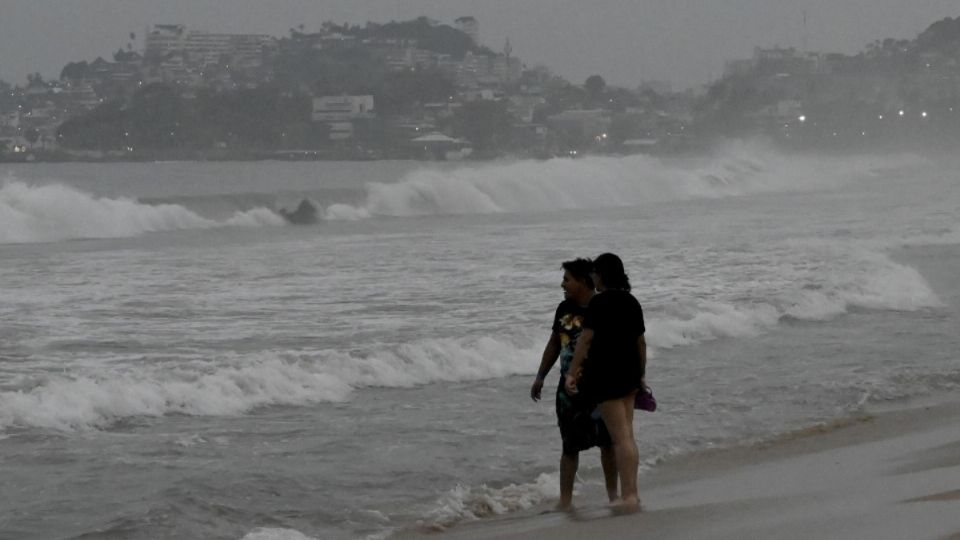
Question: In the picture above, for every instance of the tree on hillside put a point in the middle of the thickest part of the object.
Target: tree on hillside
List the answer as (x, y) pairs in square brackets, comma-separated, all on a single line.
[(298, 66), (400, 91), (486, 124), (619, 99), (101, 129), (940, 34), (6, 95), (35, 80), (428, 34), (125, 56), (563, 97), (154, 116), (32, 136), (624, 127), (595, 86), (74, 71)]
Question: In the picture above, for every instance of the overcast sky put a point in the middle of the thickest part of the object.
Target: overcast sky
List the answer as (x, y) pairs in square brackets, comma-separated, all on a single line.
[(684, 42)]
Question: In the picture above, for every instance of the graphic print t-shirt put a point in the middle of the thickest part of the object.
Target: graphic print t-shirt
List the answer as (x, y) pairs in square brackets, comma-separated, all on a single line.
[(567, 323)]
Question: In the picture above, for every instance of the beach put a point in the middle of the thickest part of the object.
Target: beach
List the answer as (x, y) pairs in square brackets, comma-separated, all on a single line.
[(886, 475)]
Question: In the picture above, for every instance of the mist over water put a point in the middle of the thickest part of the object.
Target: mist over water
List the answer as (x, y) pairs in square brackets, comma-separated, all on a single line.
[(603, 182), (56, 212), (51, 211), (376, 364)]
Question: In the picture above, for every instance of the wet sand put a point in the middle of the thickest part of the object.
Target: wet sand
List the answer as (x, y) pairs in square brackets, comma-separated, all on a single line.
[(885, 475)]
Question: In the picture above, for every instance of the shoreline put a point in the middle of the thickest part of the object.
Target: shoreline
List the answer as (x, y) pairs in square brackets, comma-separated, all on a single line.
[(704, 149), (890, 470), (891, 473)]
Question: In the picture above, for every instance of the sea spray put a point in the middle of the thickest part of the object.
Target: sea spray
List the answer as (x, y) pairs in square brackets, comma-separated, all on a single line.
[(236, 383), (844, 279), (465, 503), (603, 182), (54, 212)]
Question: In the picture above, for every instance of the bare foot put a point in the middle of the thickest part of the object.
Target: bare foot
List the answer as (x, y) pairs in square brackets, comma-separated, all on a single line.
[(630, 505), (564, 507)]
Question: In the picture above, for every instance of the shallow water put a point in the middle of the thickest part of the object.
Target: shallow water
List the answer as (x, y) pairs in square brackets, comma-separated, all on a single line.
[(175, 362)]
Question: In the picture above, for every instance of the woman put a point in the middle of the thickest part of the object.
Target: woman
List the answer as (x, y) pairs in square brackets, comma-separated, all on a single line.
[(611, 359)]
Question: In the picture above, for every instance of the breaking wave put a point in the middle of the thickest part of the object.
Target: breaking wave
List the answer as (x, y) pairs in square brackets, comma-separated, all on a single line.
[(870, 281), (55, 212), (465, 503), (599, 182), (237, 384)]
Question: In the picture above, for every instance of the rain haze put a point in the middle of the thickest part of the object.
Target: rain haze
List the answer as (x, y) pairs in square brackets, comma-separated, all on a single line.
[(684, 43), (271, 273)]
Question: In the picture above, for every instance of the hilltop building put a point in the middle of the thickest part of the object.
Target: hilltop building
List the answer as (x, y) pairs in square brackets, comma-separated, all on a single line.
[(205, 48)]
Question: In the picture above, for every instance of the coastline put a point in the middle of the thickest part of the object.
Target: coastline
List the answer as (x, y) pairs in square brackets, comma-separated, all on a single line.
[(891, 471), (884, 474)]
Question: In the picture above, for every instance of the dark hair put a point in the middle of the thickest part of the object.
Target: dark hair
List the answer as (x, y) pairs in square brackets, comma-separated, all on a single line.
[(610, 269), (580, 270)]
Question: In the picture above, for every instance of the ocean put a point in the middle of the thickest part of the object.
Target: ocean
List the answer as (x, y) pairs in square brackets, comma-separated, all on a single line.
[(178, 362)]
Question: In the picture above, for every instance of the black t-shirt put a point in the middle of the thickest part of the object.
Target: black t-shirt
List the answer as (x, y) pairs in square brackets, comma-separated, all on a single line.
[(613, 365)]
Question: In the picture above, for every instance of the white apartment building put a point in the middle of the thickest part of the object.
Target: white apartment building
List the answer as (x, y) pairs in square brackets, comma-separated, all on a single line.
[(205, 48)]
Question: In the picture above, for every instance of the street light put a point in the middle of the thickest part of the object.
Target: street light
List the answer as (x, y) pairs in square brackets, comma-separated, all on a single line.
[(802, 118)]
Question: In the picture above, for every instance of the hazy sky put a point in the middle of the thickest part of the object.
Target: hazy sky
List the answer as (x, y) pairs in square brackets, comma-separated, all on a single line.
[(684, 42)]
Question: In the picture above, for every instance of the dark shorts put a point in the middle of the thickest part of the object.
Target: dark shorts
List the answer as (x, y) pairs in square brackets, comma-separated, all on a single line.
[(604, 381), (580, 424)]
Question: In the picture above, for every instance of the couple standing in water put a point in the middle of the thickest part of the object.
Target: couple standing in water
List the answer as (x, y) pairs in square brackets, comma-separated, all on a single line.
[(598, 335)]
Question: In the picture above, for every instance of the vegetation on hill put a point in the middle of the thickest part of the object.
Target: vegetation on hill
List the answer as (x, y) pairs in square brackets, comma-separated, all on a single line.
[(849, 97)]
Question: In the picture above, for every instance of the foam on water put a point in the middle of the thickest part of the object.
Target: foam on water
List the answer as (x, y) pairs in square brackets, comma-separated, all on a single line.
[(862, 279), (236, 384), (466, 503), (793, 271), (600, 182), (712, 320), (97, 400), (54, 212), (272, 533)]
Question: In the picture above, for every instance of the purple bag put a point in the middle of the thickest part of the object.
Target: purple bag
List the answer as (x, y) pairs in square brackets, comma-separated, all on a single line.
[(644, 400)]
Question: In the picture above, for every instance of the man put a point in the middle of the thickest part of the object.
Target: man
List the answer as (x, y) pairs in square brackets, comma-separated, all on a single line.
[(580, 428)]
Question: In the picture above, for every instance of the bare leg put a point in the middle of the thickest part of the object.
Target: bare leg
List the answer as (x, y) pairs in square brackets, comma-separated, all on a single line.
[(618, 416), (609, 462), (568, 473)]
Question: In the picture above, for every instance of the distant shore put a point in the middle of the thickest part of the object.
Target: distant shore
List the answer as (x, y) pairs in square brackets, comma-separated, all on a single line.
[(361, 154)]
